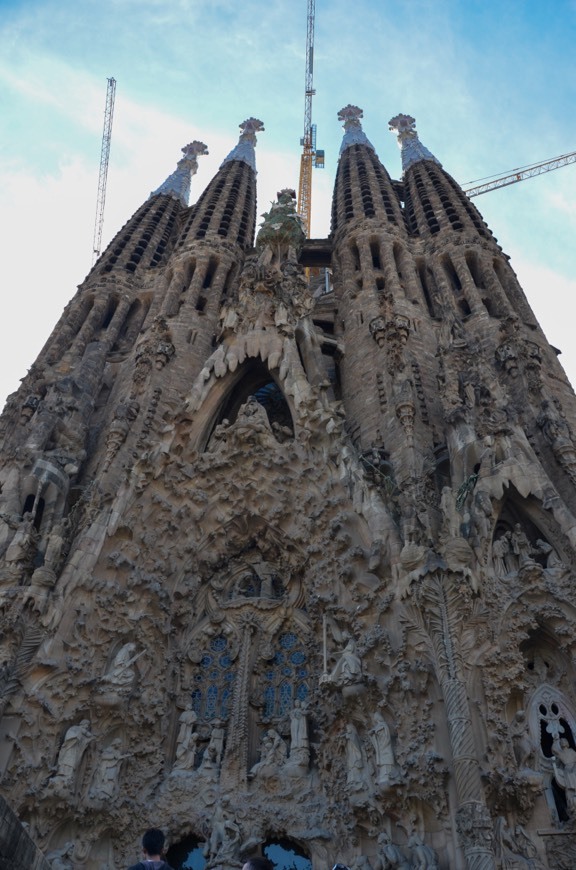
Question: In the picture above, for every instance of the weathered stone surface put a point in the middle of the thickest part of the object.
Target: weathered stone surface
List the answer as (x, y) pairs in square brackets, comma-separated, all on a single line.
[(291, 560)]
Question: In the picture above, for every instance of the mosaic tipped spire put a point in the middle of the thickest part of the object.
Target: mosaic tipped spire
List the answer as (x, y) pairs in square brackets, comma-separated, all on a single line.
[(353, 132), (244, 150), (410, 145), (177, 185)]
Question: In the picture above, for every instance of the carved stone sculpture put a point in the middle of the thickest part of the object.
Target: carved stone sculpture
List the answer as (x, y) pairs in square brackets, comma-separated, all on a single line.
[(357, 772), (390, 855), (273, 754), (384, 754), (299, 741), (186, 743), (76, 740), (565, 770), (106, 779), (423, 856)]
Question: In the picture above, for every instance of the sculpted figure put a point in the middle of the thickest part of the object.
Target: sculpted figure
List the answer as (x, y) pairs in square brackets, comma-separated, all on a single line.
[(384, 754), (500, 553), (186, 742), (514, 849), (522, 746), (119, 679), (217, 741), (70, 755), (357, 775), (299, 740), (390, 855), (565, 771), (209, 766), (223, 845), (57, 858), (273, 755), (21, 548), (423, 856), (521, 546), (105, 783), (348, 669)]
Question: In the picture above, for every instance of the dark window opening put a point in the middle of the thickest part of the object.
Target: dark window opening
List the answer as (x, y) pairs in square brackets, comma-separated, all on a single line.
[(375, 251), (187, 855), (29, 508), (201, 304), (210, 271), (286, 855)]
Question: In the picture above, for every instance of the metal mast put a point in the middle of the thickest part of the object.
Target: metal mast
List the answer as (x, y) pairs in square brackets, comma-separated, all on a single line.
[(103, 175), (310, 156), (521, 173)]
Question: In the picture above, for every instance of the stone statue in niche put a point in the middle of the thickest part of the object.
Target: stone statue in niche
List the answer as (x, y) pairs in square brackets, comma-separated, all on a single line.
[(521, 546), (209, 768), (423, 856), (119, 679), (513, 848), (501, 553), (22, 547), (390, 856), (186, 742), (273, 754), (57, 858), (217, 740), (381, 740), (565, 771), (347, 671), (522, 745), (223, 844), (252, 425), (357, 773), (105, 784), (76, 741), (299, 741)]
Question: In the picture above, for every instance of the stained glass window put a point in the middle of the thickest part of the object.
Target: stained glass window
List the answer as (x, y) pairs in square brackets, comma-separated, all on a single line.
[(213, 682), (286, 679)]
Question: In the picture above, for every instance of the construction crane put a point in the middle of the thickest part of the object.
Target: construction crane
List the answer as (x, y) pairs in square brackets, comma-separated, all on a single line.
[(311, 156), (521, 173), (103, 174)]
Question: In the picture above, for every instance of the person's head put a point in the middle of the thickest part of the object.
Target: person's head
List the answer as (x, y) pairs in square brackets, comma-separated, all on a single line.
[(258, 864), (153, 842)]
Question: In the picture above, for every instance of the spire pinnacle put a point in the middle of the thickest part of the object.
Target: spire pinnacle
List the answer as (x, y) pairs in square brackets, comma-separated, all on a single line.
[(177, 185), (410, 145), (354, 134), (244, 150)]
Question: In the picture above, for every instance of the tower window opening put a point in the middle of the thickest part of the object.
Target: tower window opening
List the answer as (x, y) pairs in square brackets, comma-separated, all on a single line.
[(209, 276), (109, 313), (428, 288), (29, 507), (375, 251), (201, 304), (452, 274)]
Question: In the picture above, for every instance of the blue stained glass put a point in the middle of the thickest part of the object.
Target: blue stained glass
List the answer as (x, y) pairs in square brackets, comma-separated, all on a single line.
[(197, 700), (297, 658), (224, 661), (218, 644), (302, 692), (269, 701), (225, 702), (278, 658), (287, 641), (269, 675), (302, 672), (206, 661), (213, 675), (287, 672), (211, 702), (199, 678), (285, 698), (229, 678)]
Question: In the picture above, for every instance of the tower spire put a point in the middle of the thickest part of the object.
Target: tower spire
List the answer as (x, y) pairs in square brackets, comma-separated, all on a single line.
[(353, 132), (177, 184), (410, 145), (244, 150)]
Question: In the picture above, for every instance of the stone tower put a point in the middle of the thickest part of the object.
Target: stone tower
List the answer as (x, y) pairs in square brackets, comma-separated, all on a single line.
[(288, 536)]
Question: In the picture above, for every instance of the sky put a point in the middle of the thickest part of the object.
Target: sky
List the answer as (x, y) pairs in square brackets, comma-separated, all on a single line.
[(492, 86)]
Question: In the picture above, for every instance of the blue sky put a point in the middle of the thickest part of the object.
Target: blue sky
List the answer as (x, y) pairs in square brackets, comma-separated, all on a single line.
[(492, 86)]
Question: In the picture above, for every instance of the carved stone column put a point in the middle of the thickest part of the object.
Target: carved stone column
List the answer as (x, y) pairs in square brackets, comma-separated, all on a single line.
[(235, 762), (442, 602)]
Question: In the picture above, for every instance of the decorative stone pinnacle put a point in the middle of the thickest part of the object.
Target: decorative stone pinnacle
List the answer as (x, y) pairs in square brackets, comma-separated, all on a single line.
[(410, 145), (244, 150), (177, 185), (354, 134)]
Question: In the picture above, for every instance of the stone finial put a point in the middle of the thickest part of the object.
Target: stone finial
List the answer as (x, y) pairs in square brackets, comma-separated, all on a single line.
[(177, 185), (354, 134), (244, 150), (410, 145)]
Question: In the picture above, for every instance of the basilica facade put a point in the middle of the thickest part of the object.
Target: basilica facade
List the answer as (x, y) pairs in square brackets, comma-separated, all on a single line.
[(287, 540)]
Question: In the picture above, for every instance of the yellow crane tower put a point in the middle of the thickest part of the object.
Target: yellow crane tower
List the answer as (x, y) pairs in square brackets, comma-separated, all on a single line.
[(103, 173), (311, 157)]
